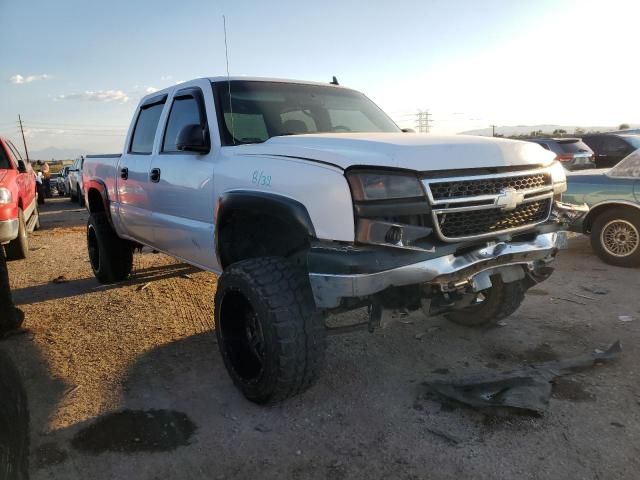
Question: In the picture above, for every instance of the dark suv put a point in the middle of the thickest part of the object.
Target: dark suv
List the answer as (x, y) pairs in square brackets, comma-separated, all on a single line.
[(572, 152), (610, 148)]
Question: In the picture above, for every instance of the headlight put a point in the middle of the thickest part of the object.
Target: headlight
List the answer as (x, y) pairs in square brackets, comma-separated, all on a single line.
[(558, 178), (5, 196), (371, 185)]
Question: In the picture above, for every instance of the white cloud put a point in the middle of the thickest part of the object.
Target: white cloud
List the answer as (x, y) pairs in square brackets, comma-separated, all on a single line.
[(166, 77), (150, 89), (97, 96), (18, 79)]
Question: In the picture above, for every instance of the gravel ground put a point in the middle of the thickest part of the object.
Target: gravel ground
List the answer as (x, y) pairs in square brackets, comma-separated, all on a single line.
[(126, 381)]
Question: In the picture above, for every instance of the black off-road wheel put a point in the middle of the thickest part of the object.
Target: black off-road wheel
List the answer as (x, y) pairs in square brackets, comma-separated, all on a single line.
[(490, 305), (271, 337), (111, 257), (615, 237), (18, 249)]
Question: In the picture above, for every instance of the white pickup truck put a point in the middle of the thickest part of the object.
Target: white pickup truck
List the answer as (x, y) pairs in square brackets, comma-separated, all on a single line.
[(308, 200)]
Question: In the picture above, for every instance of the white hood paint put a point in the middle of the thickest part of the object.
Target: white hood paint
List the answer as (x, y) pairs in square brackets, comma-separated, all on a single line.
[(404, 150)]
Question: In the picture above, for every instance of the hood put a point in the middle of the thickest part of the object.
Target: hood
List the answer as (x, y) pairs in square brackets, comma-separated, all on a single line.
[(3, 173), (404, 150)]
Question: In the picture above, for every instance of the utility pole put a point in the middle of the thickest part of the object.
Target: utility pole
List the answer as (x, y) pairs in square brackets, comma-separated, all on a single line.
[(26, 152), (423, 121), (493, 130)]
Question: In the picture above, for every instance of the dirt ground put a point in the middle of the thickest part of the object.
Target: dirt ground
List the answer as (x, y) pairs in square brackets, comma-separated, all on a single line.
[(126, 381)]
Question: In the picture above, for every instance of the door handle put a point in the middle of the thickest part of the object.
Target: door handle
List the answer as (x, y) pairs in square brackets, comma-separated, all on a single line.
[(124, 173), (154, 175)]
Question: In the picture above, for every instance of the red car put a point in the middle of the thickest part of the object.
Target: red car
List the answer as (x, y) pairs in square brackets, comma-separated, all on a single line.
[(18, 201)]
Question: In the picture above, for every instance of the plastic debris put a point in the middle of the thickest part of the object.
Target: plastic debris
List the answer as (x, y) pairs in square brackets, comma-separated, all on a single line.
[(524, 390)]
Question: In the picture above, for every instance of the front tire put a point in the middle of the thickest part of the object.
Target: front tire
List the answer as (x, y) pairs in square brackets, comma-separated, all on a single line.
[(615, 237), (18, 249), (271, 338), (110, 256), (492, 305), (80, 196)]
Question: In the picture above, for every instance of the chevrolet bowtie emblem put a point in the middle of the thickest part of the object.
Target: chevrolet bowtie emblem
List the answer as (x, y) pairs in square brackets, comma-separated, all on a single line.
[(509, 199)]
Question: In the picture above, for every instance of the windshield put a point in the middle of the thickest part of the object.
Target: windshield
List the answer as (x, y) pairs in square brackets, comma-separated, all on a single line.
[(262, 110), (4, 160), (574, 146), (628, 167)]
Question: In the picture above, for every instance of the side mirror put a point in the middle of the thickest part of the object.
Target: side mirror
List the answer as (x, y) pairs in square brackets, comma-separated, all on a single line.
[(193, 138), (22, 168), (408, 130)]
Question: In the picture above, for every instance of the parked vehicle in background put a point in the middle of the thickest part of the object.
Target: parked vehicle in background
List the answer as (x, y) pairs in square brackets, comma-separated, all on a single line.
[(573, 153), (18, 203), (310, 200), (613, 222), (53, 184), (74, 181), (62, 185), (610, 148)]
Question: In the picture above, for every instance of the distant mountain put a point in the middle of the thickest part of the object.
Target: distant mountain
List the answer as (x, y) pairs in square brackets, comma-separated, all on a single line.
[(56, 153), (511, 130)]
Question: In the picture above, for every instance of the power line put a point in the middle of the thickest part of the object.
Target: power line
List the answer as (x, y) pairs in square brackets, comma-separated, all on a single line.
[(423, 120), (82, 126)]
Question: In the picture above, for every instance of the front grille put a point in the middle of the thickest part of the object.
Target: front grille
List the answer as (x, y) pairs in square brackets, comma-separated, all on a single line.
[(487, 186), (480, 222)]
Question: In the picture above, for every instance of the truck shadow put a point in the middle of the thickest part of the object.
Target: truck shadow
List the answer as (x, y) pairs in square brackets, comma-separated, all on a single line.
[(71, 288)]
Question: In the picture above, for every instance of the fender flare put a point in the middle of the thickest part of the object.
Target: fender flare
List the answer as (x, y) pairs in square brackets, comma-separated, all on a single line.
[(289, 210), (101, 188), (588, 220)]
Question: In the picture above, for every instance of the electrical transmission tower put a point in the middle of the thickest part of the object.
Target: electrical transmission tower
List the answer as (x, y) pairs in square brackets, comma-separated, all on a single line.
[(423, 121)]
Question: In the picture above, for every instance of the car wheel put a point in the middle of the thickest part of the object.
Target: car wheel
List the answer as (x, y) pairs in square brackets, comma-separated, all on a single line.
[(615, 237), (110, 256), (490, 305), (36, 212), (80, 196), (18, 248), (271, 338)]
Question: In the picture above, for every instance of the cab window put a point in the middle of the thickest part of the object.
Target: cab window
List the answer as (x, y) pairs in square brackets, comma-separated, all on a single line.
[(184, 111), (145, 129), (4, 159)]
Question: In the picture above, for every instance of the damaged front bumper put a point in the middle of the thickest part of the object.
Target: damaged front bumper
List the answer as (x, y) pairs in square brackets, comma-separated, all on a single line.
[(374, 272)]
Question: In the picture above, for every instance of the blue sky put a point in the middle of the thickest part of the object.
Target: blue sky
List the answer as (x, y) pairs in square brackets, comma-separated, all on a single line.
[(75, 69)]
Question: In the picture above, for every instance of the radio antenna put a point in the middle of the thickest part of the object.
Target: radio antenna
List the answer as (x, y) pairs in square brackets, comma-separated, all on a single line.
[(226, 54)]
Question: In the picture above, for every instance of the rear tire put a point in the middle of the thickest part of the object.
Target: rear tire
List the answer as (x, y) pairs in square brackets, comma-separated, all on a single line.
[(110, 256), (615, 237), (271, 337), (500, 301), (18, 249), (80, 196), (36, 212)]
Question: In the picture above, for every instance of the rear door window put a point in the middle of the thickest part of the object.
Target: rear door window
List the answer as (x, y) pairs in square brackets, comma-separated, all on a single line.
[(144, 131)]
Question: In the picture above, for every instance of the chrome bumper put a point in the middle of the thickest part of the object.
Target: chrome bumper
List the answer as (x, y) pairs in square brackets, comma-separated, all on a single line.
[(8, 230), (328, 290)]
